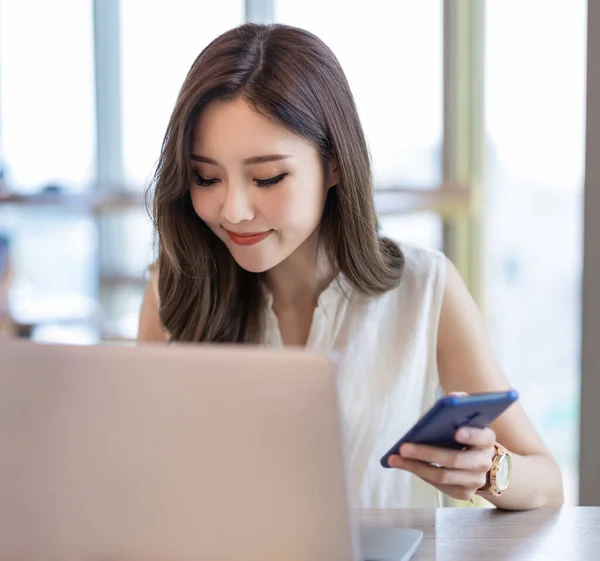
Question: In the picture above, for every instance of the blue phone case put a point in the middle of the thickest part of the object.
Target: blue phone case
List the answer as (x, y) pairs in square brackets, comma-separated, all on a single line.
[(438, 425)]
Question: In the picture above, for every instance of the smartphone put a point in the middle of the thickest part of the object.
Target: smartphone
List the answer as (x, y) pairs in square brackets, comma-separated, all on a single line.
[(438, 425)]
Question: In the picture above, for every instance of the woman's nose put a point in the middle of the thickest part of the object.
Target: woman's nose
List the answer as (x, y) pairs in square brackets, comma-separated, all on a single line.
[(237, 204)]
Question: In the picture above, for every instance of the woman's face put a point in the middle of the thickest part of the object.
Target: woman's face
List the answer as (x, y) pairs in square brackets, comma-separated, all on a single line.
[(259, 187)]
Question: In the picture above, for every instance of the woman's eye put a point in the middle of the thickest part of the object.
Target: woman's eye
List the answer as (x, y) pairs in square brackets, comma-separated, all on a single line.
[(204, 182), (270, 181)]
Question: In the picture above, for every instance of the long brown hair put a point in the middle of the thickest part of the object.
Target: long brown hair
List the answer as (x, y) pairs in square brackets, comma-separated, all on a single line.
[(291, 77)]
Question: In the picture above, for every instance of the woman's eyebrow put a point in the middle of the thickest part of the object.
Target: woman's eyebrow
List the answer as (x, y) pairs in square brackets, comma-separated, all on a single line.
[(247, 162)]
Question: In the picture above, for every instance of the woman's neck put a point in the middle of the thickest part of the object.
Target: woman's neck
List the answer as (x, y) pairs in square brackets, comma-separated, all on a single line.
[(298, 281)]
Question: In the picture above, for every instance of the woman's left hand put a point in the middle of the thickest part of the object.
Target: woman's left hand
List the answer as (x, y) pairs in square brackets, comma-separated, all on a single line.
[(461, 472)]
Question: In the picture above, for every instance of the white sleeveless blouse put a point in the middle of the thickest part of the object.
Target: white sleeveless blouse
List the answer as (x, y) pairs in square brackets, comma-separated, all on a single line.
[(388, 371)]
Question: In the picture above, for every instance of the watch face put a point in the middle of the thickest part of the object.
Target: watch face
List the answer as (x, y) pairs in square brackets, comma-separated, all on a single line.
[(503, 473)]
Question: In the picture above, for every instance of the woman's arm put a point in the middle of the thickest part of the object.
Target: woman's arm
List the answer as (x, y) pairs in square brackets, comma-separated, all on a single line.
[(466, 363), (150, 330)]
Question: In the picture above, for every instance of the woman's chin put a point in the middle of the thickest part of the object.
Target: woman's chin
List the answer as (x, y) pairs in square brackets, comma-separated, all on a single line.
[(255, 264)]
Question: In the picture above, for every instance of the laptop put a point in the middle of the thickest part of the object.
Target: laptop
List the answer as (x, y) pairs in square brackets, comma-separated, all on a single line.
[(159, 453)]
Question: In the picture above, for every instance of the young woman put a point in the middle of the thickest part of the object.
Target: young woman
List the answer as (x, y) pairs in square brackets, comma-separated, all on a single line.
[(263, 205)]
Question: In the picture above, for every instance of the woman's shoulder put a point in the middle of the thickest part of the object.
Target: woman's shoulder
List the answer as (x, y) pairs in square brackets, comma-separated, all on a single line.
[(422, 267), (424, 275), (153, 277), (421, 287), (412, 310), (150, 327), (421, 257), (420, 292)]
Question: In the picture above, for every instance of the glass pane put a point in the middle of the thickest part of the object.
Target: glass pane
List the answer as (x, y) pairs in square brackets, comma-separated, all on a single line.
[(47, 102), (422, 230), (67, 334), (535, 111), (391, 51), (127, 250), (127, 243), (53, 255), (120, 312), (159, 42)]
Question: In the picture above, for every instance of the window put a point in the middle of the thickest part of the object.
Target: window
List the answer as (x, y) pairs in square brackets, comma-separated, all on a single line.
[(53, 254), (159, 43), (391, 52), (535, 150), (422, 229), (47, 101), (48, 127)]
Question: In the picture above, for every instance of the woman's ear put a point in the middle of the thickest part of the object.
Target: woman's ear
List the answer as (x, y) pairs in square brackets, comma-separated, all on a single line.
[(333, 176)]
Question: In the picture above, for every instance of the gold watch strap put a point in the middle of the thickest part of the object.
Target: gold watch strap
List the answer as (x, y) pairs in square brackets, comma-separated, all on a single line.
[(488, 488)]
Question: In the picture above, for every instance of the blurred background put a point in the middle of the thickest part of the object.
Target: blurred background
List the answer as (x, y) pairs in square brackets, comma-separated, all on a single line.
[(475, 116)]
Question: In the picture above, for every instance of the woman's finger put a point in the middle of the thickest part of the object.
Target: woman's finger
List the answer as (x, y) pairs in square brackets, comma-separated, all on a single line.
[(479, 460), (475, 437), (439, 476), (460, 493)]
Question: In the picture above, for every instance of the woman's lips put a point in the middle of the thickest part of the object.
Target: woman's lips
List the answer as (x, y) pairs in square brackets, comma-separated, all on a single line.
[(250, 238)]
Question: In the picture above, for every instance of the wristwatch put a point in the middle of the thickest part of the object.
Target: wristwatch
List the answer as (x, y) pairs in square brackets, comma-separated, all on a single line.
[(498, 477)]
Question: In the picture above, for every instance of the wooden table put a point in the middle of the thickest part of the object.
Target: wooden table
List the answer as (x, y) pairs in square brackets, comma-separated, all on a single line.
[(465, 534)]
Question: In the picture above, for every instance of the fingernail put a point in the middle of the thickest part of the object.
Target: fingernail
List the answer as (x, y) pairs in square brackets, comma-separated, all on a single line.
[(395, 462), (408, 450), (463, 434)]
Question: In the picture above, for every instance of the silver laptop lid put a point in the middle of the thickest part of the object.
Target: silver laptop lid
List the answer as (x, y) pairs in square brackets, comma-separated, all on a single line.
[(159, 453)]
